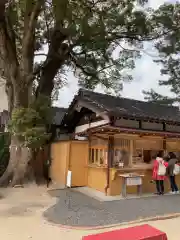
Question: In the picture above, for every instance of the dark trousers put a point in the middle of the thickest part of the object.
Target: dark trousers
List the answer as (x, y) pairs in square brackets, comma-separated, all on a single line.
[(174, 187), (160, 186)]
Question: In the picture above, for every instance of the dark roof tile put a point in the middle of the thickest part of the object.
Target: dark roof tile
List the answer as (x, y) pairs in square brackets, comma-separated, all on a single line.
[(130, 107), (57, 115)]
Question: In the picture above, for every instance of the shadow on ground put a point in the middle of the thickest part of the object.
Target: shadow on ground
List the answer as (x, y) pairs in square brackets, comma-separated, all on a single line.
[(76, 209), (23, 209)]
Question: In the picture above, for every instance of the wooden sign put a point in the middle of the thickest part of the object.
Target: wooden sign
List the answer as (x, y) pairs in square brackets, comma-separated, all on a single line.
[(134, 181)]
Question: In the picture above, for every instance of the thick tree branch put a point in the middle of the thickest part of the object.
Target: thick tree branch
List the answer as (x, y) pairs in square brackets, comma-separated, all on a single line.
[(82, 68), (56, 57), (8, 52), (33, 9), (138, 37), (2, 9)]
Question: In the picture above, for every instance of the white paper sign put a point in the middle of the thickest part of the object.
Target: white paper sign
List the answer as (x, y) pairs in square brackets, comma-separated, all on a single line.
[(69, 175), (134, 181)]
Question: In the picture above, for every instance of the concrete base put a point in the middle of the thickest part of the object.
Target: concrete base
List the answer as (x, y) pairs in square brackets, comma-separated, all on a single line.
[(56, 186), (100, 196)]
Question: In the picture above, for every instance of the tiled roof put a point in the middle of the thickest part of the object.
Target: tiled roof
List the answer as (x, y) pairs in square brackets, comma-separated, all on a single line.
[(125, 107), (57, 115)]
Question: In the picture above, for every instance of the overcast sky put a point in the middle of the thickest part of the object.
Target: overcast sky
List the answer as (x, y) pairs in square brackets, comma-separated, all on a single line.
[(146, 76)]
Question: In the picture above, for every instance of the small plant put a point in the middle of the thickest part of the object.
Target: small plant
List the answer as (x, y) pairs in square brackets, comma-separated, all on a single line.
[(30, 124)]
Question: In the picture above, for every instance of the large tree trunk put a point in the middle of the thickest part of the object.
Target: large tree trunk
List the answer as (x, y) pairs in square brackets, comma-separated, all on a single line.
[(18, 71), (22, 155), (14, 152), (23, 171), (18, 168)]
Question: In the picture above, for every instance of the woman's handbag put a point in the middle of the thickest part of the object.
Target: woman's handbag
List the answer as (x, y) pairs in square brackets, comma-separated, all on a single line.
[(176, 170), (161, 169)]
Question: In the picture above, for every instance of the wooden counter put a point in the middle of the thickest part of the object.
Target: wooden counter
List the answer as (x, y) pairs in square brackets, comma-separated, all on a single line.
[(136, 167), (116, 180), (97, 179)]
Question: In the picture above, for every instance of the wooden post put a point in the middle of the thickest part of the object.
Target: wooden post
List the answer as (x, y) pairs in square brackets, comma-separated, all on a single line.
[(164, 146), (109, 161), (111, 151), (131, 152)]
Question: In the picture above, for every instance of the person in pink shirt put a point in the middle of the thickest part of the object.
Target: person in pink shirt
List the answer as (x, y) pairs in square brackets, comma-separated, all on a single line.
[(157, 178)]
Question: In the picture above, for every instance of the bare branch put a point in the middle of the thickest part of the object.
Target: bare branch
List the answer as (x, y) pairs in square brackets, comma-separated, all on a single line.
[(40, 54)]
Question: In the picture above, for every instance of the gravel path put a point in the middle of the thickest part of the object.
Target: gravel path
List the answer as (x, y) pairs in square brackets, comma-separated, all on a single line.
[(76, 209)]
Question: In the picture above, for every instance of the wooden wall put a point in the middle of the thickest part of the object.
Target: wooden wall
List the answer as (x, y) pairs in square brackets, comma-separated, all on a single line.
[(97, 178), (78, 162), (69, 155), (73, 155), (147, 187), (60, 161), (148, 144), (38, 165), (173, 145), (97, 175)]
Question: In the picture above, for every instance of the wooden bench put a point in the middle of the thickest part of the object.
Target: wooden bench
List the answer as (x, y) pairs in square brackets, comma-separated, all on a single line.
[(143, 232)]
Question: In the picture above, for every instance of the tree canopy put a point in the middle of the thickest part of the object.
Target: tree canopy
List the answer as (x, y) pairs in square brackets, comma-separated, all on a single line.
[(167, 17), (80, 35)]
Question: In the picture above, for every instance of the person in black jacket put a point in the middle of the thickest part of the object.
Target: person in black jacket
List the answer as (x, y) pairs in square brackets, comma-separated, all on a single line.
[(47, 172), (170, 172)]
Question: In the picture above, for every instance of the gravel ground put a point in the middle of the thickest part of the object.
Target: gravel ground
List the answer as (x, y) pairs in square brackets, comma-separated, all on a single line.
[(76, 209)]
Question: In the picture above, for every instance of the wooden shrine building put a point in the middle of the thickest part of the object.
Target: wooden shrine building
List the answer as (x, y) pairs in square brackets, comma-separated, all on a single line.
[(109, 136)]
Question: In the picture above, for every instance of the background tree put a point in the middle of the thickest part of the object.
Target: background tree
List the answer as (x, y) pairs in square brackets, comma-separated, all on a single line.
[(80, 35), (167, 17)]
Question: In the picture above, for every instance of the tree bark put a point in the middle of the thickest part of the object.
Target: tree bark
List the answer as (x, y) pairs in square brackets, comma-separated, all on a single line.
[(22, 171), (19, 156), (13, 160), (57, 55), (19, 76), (23, 156)]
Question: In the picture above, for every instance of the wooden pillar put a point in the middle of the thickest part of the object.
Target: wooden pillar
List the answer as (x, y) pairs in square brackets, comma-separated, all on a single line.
[(131, 152), (109, 161), (89, 149), (110, 151), (164, 146)]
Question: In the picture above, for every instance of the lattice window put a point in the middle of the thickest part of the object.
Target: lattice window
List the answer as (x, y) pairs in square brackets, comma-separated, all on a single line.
[(137, 156), (121, 152), (120, 143), (98, 156), (121, 158)]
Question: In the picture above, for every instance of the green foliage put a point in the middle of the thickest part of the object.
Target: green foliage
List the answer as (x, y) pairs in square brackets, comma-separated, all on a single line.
[(87, 32), (152, 96), (99, 40), (167, 17), (30, 124), (4, 151)]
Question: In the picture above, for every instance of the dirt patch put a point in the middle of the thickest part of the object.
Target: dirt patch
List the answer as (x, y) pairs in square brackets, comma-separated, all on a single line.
[(21, 210)]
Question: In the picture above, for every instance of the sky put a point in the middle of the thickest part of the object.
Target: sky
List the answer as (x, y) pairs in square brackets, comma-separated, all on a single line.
[(146, 76)]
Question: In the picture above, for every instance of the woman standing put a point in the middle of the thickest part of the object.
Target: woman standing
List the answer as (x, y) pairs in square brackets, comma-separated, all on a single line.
[(170, 172), (159, 179)]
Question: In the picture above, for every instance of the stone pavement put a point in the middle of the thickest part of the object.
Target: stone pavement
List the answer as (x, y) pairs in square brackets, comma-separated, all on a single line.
[(21, 217), (76, 209)]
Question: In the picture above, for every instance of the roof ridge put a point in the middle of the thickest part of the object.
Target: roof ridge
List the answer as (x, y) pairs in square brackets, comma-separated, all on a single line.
[(81, 90)]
